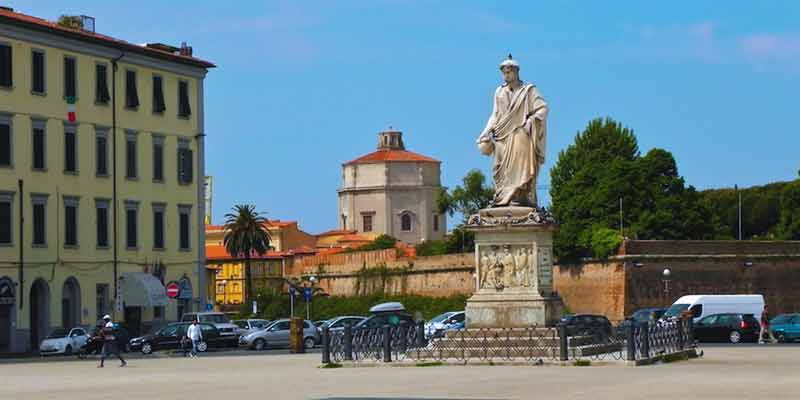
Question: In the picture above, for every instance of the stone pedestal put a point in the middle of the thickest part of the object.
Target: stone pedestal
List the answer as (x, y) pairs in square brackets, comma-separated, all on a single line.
[(514, 269)]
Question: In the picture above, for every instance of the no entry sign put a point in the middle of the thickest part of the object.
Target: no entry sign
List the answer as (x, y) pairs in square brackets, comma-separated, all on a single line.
[(173, 290)]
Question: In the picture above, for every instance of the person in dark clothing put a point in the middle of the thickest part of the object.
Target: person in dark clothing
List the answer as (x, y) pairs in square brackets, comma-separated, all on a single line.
[(765, 327), (110, 343)]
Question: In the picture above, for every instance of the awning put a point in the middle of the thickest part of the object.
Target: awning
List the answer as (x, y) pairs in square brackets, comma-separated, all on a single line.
[(142, 290)]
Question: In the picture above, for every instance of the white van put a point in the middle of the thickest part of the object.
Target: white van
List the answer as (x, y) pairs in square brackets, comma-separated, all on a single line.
[(708, 304)]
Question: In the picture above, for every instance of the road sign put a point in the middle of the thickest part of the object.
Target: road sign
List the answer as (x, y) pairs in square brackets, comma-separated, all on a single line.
[(173, 290), (307, 293), (209, 307), (291, 291)]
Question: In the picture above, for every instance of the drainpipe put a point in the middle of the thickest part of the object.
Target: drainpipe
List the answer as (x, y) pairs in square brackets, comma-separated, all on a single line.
[(114, 171), (21, 273)]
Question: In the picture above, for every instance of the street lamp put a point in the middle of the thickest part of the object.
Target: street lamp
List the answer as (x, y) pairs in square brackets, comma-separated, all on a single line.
[(665, 275)]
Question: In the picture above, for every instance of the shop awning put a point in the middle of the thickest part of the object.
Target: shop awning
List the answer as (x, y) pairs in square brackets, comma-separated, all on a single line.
[(142, 290)]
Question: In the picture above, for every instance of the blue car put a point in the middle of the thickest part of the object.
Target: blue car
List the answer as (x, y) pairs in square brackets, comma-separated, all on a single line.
[(786, 327)]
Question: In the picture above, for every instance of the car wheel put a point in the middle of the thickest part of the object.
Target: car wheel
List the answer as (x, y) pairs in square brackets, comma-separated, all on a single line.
[(260, 344), (309, 343), (735, 337), (68, 350), (202, 347), (781, 338), (147, 348)]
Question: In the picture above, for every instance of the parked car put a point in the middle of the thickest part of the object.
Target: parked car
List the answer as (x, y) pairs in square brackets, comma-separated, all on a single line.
[(63, 341), (220, 320), (245, 326), (171, 336), (704, 305), (441, 323), (320, 322), (728, 327), (587, 325), (786, 327), (386, 314), (647, 314), (276, 334), (338, 323)]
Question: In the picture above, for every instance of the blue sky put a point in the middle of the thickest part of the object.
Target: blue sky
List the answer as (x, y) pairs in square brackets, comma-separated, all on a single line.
[(303, 86)]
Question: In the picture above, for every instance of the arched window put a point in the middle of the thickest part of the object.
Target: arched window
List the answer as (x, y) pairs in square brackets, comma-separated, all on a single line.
[(405, 222)]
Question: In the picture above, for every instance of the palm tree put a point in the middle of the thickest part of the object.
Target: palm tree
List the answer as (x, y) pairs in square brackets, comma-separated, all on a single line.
[(246, 233)]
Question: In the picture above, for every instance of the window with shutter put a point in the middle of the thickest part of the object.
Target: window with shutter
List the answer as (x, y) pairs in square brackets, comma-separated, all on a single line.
[(184, 109), (101, 94), (39, 140), (131, 95), (185, 166), (102, 223), (5, 143), (130, 156), (131, 228), (70, 151), (39, 232), (70, 222), (158, 158), (158, 95), (158, 227), (5, 65), (184, 238), (5, 220), (37, 72), (101, 148), (69, 77)]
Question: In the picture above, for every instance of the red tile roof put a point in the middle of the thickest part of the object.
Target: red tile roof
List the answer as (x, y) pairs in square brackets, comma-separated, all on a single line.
[(336, 232), (384, 155), (270, 224), (218, 253), (13, 17)]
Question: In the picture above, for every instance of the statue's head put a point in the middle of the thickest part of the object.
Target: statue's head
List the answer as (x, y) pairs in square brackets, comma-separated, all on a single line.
[(510, 69)]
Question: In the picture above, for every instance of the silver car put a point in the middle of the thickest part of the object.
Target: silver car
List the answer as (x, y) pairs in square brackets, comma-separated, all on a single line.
[(338, 323), (277, 335), (247, 326)]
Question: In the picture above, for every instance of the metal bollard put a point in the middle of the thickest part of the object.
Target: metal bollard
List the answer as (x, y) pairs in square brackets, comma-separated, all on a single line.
[(420, 334), (403, 346), (563, 342), (326, 345), (690, 331), (681, 333), (348, 342), (630, 340), (387, 344), (645, 335)]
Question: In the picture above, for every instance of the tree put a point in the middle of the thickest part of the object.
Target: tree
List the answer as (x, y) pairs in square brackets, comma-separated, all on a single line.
[(789, 225), (246, 233), (603, 166), (474, 195)]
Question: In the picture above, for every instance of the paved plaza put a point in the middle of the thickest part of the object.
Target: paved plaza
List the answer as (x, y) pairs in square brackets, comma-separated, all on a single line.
[(723, 373)]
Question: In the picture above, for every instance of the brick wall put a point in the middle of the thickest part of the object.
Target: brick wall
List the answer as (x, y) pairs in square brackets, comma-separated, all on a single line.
[(593, 287)]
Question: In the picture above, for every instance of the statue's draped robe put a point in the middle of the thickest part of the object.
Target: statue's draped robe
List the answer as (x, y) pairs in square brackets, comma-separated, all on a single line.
[(518, 126)]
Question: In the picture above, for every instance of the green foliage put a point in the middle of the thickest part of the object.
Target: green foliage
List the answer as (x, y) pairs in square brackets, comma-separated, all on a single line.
[(431, 248), (274, 305), (458, 241), (603, 166), (381, 242), (789, 225), (761, 210), (246, 233), (70, 21), (467, 199), (604, 242)]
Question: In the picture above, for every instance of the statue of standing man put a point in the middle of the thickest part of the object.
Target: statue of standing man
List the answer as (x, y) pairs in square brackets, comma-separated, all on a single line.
[(515, 135)]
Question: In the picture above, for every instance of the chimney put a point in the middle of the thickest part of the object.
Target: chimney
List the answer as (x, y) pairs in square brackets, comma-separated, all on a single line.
[(185, 50)]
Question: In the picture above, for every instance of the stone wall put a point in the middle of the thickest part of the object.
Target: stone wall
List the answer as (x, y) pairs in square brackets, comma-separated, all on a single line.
[(592, 287), (438, 276), (340, 262)]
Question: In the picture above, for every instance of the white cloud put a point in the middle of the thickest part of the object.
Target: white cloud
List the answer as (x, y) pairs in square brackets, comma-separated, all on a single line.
[(766, 47)]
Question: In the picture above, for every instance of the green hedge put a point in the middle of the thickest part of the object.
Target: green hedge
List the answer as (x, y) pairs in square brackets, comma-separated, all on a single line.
[(273, 305)]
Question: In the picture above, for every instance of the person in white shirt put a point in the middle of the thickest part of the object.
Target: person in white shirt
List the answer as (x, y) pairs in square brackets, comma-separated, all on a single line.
[(109, 343), (195, 334)]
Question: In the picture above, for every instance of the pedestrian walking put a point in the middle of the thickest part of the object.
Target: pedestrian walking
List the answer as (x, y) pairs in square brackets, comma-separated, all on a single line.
[(194, 334), (765, 327), (109, 343)]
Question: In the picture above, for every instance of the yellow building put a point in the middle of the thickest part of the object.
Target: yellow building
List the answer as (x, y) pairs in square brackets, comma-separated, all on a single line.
[(101, 168), (227, 280)]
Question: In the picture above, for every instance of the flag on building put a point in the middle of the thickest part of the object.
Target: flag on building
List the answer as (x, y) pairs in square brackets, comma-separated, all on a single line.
[(71, 109)]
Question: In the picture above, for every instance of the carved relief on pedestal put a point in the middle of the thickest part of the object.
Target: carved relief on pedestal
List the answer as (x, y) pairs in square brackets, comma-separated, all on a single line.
[(506, 266)]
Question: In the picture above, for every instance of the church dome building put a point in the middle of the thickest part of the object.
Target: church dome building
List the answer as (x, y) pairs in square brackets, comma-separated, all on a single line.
[(392, 191)]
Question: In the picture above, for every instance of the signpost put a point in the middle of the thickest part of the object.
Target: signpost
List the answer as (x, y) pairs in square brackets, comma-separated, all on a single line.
[(173, 290), (307, 294), (291, 301)]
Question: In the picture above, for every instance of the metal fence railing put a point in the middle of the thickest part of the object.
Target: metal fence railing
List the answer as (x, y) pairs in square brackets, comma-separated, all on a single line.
[(627, 341)]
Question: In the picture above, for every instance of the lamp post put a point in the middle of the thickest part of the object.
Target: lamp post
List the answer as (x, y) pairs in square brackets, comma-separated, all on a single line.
[(310, 285), (224, 284), (665, 275)]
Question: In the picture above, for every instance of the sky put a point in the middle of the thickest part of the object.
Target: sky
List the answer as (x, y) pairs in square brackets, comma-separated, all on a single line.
[(303, 86)]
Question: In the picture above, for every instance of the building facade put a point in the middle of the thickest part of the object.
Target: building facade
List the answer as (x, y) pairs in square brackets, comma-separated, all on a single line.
[(392, 191), (226, 280), (101, 168)]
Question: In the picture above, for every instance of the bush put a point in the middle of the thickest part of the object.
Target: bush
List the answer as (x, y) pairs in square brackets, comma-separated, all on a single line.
[(604, 242), (381, 242), (273, 305), (431, 248)]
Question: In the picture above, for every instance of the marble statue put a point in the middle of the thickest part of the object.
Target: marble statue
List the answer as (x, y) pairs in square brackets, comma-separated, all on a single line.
[(533, 275), (483, 273), (522, 267), (515, 135), (497, 271), (509, 267)]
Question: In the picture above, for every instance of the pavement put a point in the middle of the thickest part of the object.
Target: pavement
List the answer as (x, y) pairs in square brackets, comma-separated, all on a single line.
[(724, 372)]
